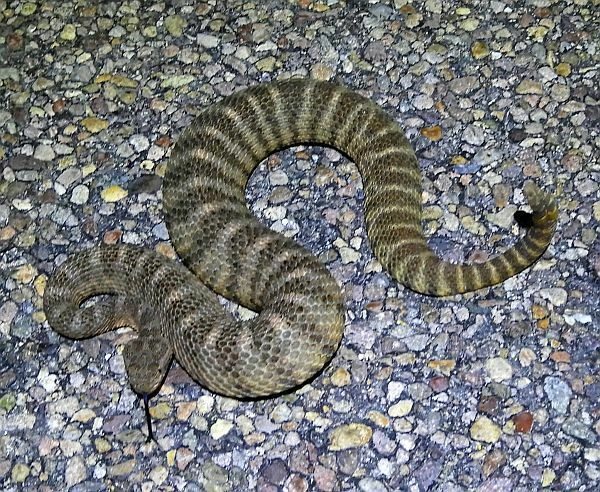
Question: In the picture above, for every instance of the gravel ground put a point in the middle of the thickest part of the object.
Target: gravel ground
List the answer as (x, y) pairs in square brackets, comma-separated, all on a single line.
[(497, 390)]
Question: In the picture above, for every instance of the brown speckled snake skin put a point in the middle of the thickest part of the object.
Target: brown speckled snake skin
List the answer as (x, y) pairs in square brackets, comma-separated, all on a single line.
[(300, 306)]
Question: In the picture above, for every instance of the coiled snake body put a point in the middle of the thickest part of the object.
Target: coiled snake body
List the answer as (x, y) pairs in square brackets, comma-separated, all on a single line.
[(301, 312)]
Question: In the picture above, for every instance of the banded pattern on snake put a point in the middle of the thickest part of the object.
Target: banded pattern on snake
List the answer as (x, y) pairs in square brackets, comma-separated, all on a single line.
[(300, 306)]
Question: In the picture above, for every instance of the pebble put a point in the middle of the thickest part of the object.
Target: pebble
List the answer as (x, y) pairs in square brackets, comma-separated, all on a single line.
[(556, 295), (69, 176), (474, 135), (576, 428), (8, 402), (174, 82), (400, 409), (75, 472), (444, 366), (44, 152), (175, 25), (479, 50), (464, 85), (433, 133), (349, 436), (523, 422), (68, 33), (499, 369), (139, 142), (281, 413), (484, 430), (113, 193), (422, 101), (20, 472), (559, 393), (371, 485), (122, 469), (94, 125), (341, 377), (560, 92), (80, 194), (207, 40), (220, 428), (528, 86)]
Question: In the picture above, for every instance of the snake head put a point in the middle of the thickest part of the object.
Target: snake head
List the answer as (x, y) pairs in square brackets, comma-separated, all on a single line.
[(147, 360)]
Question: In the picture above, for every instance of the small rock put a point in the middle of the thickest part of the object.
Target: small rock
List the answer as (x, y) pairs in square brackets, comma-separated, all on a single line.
[(20, 472), (82, 73), (556, 295), (214, 475), (84, 415), (479, 50), (220, 428), (113, 193), (68, 33), (493, 461), (523, 422), (28, 9), (281, 413), (417, 343), (278, 177), (341, 377), (483, 429), (139, 142), (147, 183), (44, 152), (422, 101), (592, 454), (25, 274), (175, 25), (175, 81), (266, 64), (123, 468), (439, 383), (400, 409), (559, 393), (369, 484), (94, 125), (184, 457), (433, 133), (207, 40), (444, 366), (560, 92), (464, 85), (498, 369), (349, 436), (528, 86), (576, 428), (320, 71), (69, 176), (563, 69), (80, 194), (428, 473), (160, 411), (474, 135), (8, 402), (275, 472), (548, 476), (75, 471)]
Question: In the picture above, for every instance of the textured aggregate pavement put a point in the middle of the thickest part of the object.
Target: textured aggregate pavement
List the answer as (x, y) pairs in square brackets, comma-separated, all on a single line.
[(496, 390)]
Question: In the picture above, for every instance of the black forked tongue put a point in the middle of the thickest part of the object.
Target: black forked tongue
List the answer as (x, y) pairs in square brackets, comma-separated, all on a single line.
[(148, 418), (524, 219)]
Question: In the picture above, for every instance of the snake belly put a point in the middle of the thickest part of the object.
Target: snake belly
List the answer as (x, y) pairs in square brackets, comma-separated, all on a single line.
[(299, 304)]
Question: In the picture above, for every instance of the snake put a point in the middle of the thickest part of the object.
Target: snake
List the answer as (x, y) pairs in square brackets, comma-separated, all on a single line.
[(173, 305)]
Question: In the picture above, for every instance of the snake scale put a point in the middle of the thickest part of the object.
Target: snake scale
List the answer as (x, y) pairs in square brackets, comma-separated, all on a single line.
[(300, 305)]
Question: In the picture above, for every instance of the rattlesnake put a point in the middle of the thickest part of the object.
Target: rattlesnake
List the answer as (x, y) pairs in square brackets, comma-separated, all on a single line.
[(300, 306)]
